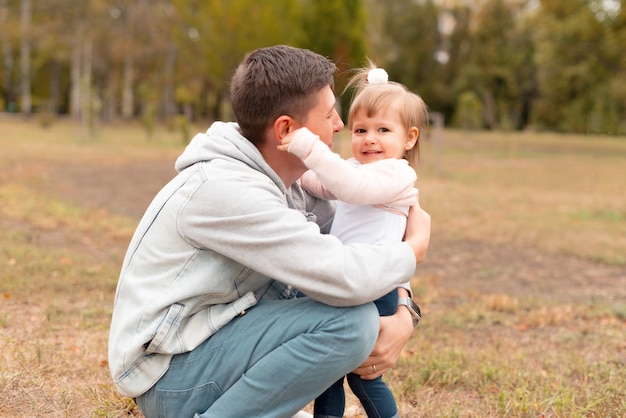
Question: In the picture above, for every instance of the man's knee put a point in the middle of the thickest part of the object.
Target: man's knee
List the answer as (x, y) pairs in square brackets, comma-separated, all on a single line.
[(366, 323)]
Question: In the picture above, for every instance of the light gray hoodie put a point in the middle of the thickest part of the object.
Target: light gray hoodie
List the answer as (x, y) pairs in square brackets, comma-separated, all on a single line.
[(220, 236)]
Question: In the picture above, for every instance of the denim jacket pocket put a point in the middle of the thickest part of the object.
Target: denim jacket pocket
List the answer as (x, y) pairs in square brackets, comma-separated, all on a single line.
[(168, 325)]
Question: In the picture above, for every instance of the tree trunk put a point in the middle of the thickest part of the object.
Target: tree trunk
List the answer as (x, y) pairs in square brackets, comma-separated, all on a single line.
[(75, 76), (169, 106), (26, 17), (55, 87), (127, 87), (7, 60), (89, 109), (109, 100), (490, 110)]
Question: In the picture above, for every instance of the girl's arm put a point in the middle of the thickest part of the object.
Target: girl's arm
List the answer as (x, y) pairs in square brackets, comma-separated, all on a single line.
[(388, 181)]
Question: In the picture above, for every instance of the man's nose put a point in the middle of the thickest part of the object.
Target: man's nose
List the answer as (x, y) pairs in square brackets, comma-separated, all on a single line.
[(338, 123)]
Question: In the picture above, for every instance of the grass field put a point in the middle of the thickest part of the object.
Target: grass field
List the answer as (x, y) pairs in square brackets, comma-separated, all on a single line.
[(523, 291)]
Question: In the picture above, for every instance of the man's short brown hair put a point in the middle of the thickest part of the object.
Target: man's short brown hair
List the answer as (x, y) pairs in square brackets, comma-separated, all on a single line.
[(275, 81)]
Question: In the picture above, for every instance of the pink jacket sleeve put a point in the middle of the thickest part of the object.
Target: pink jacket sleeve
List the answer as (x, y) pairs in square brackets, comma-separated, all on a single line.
[(389, 182)]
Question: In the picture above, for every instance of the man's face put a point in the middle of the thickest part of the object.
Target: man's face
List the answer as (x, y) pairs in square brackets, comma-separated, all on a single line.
[(323, 120)]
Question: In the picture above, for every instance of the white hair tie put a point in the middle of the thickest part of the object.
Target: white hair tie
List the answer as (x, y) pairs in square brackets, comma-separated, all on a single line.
[(377, 76)]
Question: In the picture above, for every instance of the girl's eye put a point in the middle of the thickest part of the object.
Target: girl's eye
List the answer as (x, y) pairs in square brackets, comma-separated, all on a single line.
[(359, 130), (383, 130)]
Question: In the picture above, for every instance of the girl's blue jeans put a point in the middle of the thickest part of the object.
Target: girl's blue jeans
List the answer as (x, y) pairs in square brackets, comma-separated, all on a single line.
[(270, 362), (375, 396)]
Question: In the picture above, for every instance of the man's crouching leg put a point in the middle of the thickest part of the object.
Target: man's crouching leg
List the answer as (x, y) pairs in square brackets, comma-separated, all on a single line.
[(271, 362), (301, 348)]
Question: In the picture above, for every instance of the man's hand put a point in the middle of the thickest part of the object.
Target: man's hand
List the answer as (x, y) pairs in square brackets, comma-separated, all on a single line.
[(418, 231), (395, 332)]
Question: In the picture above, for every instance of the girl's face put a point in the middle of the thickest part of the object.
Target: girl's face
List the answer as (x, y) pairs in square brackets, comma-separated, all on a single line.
[(381, 136)]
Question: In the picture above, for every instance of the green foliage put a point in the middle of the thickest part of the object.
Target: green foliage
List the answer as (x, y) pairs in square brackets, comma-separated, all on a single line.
[(553, 64), (469, 111), (497, 69), (577, 66), (336, 29), (409, 48), (216, 34)]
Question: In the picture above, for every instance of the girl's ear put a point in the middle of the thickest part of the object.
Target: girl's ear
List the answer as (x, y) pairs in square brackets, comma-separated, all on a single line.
[(411, 138)]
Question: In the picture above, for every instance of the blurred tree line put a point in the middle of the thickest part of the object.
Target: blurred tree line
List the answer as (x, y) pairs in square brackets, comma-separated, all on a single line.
[(497, 64)]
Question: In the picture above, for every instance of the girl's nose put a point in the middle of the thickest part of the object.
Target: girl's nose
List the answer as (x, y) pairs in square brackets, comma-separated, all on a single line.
[(370, 137)]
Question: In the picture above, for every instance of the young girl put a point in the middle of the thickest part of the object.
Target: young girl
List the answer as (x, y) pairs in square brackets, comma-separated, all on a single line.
[(374, 191)]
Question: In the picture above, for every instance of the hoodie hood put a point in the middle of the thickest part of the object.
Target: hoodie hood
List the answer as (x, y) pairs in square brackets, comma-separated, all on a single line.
[(223, 140)]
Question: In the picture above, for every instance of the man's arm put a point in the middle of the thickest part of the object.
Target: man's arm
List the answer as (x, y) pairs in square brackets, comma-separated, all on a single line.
[(395, 332), (253, 209)]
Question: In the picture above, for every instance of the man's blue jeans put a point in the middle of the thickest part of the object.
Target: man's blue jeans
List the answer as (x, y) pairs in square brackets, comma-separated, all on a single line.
[(270, 362)]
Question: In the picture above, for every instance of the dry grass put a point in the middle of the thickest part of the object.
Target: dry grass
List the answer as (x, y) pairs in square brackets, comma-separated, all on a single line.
[(481, 351), (558, 193), (58, 267), (495, 355)]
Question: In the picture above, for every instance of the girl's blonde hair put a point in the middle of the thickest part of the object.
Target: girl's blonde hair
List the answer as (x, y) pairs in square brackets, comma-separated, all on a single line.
[(372, 98)]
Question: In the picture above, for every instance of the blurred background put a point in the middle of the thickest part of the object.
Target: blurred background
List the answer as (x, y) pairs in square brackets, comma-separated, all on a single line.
[(523, 291), (543, 65)]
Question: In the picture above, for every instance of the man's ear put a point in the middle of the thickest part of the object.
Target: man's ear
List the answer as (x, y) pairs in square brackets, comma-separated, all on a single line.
[(282, 126)]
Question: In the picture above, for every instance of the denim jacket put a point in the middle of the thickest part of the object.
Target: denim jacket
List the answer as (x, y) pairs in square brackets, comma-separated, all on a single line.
[(221, 235)]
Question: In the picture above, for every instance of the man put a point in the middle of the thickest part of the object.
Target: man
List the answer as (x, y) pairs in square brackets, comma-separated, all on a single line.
[(205, 322)]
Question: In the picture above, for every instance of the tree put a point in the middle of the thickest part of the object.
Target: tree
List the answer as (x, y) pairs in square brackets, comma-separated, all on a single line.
[(499, 53), (556, 64), (337, 29), (456, 47), (25, 50), (214, 35), (6, 41), (409, 48), (578, 65)]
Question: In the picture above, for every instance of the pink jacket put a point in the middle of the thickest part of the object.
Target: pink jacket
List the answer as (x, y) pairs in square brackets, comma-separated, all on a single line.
[(389, 182)]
